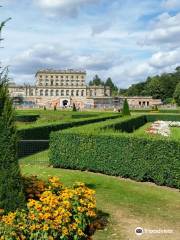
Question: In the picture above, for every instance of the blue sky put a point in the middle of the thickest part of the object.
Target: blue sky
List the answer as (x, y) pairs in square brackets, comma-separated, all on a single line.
[(126, 40)]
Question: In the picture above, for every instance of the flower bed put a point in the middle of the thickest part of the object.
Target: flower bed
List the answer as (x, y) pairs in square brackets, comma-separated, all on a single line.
[(162, 127), (53, 212)]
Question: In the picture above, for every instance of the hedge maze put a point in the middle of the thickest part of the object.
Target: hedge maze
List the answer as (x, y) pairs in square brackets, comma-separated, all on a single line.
[(110, 147)]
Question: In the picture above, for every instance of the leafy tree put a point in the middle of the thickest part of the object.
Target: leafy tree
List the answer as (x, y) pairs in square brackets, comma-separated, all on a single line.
[(126, 111), (154, 87), (122, 92), (11, 187), (177, 94), (137, 89), (113, 87), (96, 81)]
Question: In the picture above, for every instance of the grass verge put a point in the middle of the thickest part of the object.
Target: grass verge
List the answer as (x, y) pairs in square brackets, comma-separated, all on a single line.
[(130, 204)]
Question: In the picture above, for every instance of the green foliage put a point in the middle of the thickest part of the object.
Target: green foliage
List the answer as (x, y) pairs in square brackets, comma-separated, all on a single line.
[(27, 118), (113, 87), (126, 111), (177, 94), (118, 154), (96, 81), (11, 188), (43, 132), (161, 87), (108, 83)]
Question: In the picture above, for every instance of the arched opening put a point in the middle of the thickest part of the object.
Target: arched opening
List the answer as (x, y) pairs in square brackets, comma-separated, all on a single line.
[(65, 103)]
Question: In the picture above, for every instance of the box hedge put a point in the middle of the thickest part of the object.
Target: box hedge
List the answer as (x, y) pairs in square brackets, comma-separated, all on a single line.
[(27, 118), (118, 154), (42, 132)]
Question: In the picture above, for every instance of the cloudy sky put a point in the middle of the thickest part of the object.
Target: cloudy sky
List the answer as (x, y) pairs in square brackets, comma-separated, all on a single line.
[(126, 40)]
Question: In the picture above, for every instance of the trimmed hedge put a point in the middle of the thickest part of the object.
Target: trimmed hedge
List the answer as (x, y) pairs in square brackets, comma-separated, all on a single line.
[(29, 147), (142, 159), (43, 132), (128, 125), (163, 117), (148, 110), (27, 118)]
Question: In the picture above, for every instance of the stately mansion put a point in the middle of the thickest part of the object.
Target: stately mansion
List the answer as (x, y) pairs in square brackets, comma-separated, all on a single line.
[(63, 88)]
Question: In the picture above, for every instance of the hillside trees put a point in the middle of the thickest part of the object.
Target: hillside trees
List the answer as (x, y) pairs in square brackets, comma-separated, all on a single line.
[(177, 94)]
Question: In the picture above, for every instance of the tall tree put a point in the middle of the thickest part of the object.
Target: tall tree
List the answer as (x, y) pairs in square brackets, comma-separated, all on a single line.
[(177, 94), (96, 81), (113, 87), (11, 187)]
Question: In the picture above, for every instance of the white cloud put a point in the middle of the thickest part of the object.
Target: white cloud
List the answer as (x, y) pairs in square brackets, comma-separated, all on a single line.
[(171, 4), (64, 7), (164, 30), (165, 59)]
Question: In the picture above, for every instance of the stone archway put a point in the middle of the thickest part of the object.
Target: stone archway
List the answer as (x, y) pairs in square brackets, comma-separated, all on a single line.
[(65, 103)]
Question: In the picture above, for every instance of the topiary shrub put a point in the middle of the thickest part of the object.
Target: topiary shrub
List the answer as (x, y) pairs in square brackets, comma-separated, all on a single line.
[(126, 111), (11, 188)]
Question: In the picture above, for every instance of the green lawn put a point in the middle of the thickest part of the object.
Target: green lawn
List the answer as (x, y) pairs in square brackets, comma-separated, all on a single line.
[(51, 116), (130, 204)]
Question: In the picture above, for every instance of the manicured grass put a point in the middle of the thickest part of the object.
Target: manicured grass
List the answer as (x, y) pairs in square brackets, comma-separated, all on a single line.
[(51, 116), (130, 204)]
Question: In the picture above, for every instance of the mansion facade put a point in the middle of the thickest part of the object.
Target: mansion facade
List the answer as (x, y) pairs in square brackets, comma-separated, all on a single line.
[(61, 88)]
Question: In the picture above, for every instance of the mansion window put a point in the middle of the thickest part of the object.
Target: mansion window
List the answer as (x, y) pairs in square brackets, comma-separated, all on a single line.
[(52, 82), (62, 92), (72, 93), (67, 92), (46, 93), (57, 92), (52, 92), (77, 93), (82, 93), (41, 92)]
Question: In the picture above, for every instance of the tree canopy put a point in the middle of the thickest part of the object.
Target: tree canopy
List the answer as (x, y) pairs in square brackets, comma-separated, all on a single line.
[(159, 86), (97, 81)]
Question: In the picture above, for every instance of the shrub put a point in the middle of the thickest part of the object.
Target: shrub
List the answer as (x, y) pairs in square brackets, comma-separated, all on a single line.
[(118, 154), (27, 118), (126, 111), (11, 189), (53, 212), (43, 132)]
